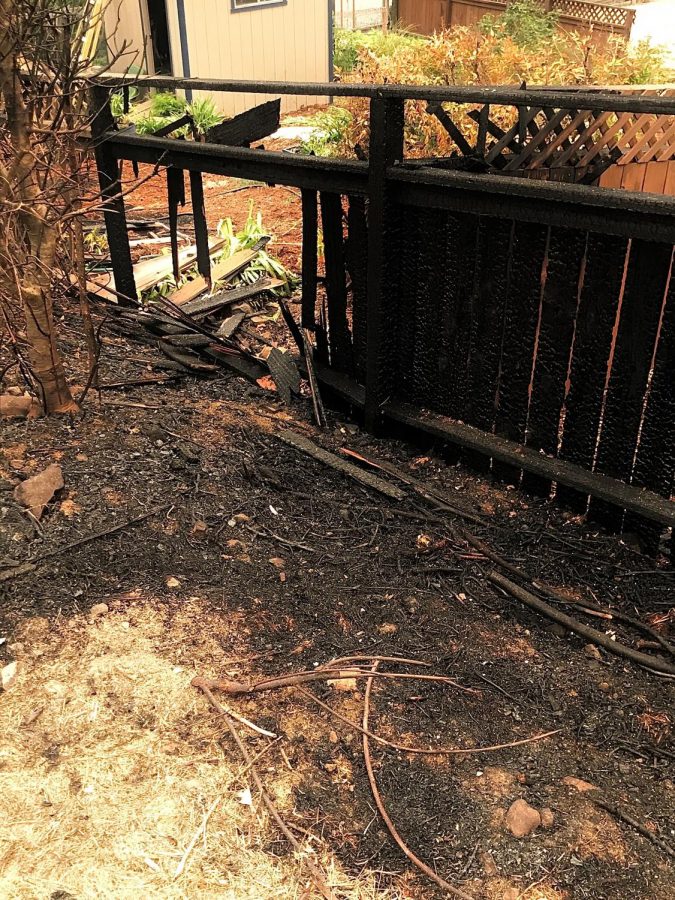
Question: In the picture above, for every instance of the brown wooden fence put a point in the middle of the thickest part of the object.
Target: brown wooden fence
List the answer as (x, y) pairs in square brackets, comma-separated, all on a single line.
[(428, 16)]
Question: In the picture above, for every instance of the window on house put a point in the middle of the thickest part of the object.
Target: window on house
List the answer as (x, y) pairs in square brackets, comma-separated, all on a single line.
[(239, 5)]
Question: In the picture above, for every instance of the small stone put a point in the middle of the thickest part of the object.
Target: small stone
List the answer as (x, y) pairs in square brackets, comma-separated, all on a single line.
[(199, 528), (592, 651), (332, 737), (488, 864), (277, 561), (8, 676), (98, 610), (522, 819), (12, 407), (172, 582), (547, 817), (579, 784), (241, 517), (36, 492), (15, 391), (387, 628), (604, 686)]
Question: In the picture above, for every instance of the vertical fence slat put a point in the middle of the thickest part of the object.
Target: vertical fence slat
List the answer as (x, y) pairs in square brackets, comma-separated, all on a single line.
[(310, 225), (408, 287), (200, 224), (357, 266), (648, 267), (386, 147), (427, 315), (603, 277), (520, 325), (339, 337), (495, 238), (655, 463), (556, 328), (459, 287), (114, 212)]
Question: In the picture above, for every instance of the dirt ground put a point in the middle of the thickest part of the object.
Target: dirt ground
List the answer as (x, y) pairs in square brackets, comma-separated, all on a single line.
[(118, 780)]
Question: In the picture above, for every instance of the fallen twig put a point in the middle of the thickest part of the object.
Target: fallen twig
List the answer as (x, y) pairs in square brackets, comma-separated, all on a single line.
[(316, 875), (629, 820), (48, 554), (597, 637), (416, 861), (445, 751), (226, 711), (195, 837), (304, 445), (229, 686)]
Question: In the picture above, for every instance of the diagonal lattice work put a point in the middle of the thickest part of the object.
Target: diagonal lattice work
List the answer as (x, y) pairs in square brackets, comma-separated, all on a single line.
[(593, 13)]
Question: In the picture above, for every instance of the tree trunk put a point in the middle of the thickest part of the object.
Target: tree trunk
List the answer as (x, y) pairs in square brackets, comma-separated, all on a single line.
[(45, 359)]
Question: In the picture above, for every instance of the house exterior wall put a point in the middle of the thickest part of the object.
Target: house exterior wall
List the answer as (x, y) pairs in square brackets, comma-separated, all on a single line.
[(286, 42), (127, 32)]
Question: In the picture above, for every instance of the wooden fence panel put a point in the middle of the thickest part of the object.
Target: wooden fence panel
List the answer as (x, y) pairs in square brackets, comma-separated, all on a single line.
[(563, 274), (646, 281), (596, 315)]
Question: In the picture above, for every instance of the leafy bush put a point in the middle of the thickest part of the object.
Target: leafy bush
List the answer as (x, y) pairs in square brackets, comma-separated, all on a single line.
[(204, 114), (264, 263), (167, 106), (349, 46), (332, 128), (524, 21), (477, 56)]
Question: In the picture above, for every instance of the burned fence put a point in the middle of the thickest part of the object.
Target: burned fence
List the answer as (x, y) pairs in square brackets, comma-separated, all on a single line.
[(530, 323)]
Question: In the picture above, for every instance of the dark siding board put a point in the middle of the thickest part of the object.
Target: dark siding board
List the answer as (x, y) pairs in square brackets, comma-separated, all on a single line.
[(428, 310), (646, 282), (655, 463), (459, 289), (603, 276), (339, 337), (356, 251), (409, 284), (560, 295), (520, 325), (310, 226), (494, 251)]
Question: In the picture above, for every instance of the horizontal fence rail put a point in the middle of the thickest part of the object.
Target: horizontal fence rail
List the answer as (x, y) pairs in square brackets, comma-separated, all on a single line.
[(529, 323)]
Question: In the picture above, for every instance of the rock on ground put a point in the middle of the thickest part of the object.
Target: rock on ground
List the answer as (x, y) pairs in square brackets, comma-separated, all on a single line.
[(36, 492), (522, 819)]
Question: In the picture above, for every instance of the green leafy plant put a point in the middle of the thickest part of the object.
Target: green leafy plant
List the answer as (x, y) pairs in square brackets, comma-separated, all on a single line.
[(526, 22), (167, 105), (204, 114), (349, 45), (264, 263), (117, 101), (331, 128)]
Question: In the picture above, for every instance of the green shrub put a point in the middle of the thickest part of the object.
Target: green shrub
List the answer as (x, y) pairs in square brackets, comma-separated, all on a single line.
[(526, 22), (204, 114), (166, 105), (332, 128)]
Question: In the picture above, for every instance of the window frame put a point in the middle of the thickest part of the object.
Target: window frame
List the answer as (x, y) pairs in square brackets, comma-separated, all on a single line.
[(253, 5)]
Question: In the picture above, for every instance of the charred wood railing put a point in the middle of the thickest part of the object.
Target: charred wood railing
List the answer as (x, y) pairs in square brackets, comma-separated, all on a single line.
[(530, 323)]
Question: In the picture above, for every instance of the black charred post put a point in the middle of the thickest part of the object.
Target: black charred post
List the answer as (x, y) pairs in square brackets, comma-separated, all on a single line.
[(113, 202), (310, 225), (175, 181), (339, 337), (201, 227), (386, 149)]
